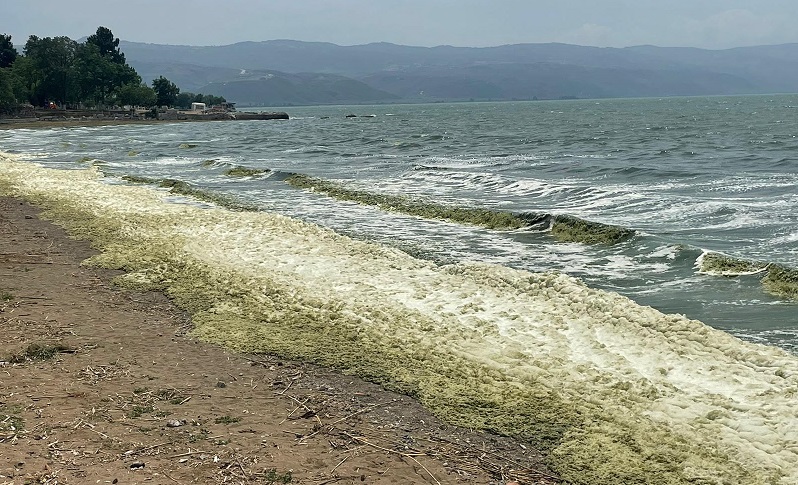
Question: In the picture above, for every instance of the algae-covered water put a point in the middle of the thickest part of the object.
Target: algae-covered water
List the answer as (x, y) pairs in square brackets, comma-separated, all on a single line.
[(536, 269)]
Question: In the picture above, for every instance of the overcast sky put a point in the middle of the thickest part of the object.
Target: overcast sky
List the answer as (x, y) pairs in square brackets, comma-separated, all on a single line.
[(713, 24)]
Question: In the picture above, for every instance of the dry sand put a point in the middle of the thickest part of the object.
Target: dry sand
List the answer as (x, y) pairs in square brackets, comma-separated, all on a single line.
[(129, 397)]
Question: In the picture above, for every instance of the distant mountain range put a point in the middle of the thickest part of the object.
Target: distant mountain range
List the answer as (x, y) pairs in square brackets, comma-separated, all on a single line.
[(286, 72)]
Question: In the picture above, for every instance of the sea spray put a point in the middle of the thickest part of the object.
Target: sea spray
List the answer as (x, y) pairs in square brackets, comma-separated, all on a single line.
[(615, 392)]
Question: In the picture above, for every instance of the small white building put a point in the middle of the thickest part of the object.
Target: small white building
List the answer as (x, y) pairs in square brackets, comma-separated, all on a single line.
[(197, 106)]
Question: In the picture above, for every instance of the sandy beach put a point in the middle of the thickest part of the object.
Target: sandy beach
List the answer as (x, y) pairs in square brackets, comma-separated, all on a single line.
[(102, 385)]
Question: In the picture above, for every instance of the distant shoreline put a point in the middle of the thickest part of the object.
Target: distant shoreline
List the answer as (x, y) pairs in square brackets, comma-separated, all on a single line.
[(31, 123), (27, 123)]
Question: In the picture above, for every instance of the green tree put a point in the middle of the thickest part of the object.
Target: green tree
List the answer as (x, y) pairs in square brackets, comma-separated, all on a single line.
[(211, 100), (165, 91), (93, 74), (98, 77), (184, 100), (8, 54), (137, 95), (7, 98), (51, 60), (21, 75), (107, 44), (100, 68)]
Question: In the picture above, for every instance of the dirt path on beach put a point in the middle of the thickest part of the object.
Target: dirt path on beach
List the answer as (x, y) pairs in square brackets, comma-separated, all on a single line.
[(103, 385)]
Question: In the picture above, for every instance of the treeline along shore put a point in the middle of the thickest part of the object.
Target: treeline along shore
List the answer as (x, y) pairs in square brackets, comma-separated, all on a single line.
[(58, 80), (72, 118)]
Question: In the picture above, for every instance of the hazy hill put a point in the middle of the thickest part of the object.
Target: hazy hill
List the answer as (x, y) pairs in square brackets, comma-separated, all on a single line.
[(277, 72), (281, 89), (547, 80), (189, 77)]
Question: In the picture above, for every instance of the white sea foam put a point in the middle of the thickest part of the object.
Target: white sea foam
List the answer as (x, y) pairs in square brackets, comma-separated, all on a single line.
[(667, 251), (621, 365), (786, 239), (534, 188)]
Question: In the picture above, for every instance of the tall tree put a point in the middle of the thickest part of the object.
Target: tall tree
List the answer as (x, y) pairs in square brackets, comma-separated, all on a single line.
[(98, 77), (107, 44), (7, 98), (51, 60), (8, 54), (22, 78), (165, 91)]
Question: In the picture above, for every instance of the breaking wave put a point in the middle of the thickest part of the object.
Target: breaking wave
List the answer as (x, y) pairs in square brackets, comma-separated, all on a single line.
[(564, 228), (777, 279)]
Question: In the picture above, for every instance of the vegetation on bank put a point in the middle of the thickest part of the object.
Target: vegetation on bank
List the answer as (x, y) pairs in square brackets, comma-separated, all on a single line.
[(58, 72)]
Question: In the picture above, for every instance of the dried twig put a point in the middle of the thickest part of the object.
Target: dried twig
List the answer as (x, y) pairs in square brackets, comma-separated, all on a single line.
[(281, 393), (339, 464), (481, 458), (360, 411), (188, 453), (407, 455), (246, 475), (141, 450)]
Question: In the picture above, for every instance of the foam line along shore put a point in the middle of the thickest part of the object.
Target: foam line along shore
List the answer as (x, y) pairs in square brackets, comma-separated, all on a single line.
[(779, 280), (615, 392), (623, 194)]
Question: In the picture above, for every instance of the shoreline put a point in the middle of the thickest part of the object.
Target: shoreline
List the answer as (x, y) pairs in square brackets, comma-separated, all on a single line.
[(131, 396), (73, 122), (42, 124)]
